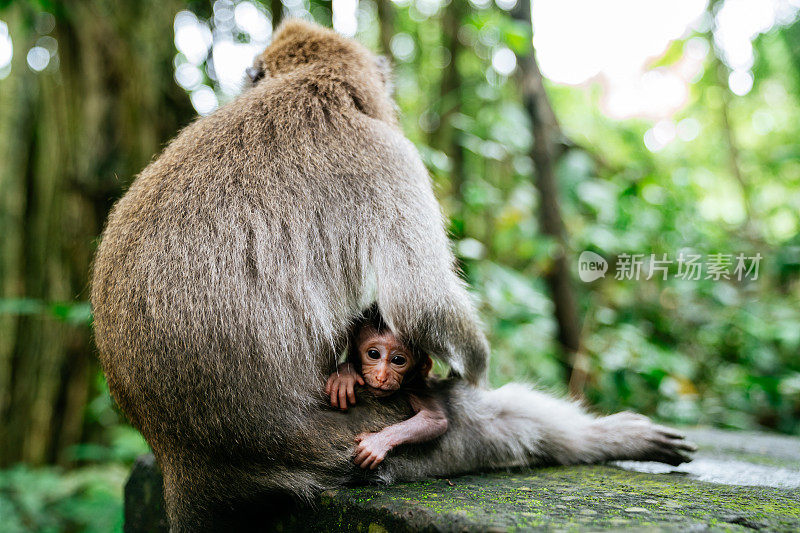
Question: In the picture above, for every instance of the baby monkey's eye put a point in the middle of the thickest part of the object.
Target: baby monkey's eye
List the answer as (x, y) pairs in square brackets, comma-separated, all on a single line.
[(373, 354), (399, 360)]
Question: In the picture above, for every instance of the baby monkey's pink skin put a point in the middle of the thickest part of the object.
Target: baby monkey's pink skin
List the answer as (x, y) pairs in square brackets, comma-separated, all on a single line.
[(384, 363)]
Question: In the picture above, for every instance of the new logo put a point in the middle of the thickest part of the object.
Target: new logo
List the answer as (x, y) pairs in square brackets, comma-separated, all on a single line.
[(591, 266)]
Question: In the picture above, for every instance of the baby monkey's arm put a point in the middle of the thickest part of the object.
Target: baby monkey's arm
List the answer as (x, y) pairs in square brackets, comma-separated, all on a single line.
[(429, 422)]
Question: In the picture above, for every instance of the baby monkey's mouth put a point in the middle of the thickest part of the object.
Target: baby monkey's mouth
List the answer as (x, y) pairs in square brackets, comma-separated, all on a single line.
[(381, 390)]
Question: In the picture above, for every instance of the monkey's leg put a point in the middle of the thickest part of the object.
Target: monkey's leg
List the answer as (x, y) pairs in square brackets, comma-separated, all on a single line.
[(187, 504), (212, 495), (516, 426), (631, 436), (554, 430)]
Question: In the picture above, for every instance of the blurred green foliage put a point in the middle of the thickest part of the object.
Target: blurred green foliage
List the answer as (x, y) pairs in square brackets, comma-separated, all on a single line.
[(78, 313), (711, 352), (51, 499), (86, 498)]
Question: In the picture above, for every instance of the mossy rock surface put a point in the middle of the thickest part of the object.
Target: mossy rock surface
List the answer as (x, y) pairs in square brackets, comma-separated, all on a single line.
[(738, 482), (573, 499)]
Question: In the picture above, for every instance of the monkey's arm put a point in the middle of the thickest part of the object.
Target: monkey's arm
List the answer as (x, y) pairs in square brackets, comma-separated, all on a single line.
[(429, 422), (423, 300), (418, 290)]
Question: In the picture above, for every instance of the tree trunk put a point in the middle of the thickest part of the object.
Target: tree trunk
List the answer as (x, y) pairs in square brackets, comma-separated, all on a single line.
[(547, 137), (73, 136), (446, 137), (386, 21), (276, 10), (734, 163)]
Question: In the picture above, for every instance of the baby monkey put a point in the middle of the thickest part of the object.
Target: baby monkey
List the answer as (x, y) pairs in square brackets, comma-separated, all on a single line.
[(380, 361)]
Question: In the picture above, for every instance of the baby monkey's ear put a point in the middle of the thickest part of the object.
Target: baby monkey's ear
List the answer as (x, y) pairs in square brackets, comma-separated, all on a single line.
[(425, 366)]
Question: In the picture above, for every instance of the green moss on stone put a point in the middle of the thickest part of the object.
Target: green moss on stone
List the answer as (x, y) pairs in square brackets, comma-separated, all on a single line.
[(577, 498)]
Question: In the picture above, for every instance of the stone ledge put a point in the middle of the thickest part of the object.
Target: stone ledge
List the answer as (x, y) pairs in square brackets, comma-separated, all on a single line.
[(739, 481)]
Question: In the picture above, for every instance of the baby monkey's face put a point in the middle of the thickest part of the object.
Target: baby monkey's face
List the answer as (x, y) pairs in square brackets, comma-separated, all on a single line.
[(385, 361)]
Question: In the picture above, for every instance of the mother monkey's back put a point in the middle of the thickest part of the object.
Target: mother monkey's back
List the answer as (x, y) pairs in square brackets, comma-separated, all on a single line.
[(228, 273)]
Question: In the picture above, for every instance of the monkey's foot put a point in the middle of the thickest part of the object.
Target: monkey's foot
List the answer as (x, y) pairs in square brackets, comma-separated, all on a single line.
[(631, 436)]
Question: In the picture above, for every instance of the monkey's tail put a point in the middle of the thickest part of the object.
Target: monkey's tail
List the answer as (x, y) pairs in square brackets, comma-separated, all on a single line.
[(516, 426)]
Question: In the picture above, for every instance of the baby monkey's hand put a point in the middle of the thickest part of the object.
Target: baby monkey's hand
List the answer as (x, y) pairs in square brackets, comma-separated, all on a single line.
[(372, 449), (341, 386)]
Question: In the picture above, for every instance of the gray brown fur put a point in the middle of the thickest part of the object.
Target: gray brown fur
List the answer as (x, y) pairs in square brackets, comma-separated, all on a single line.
[(229, 274)]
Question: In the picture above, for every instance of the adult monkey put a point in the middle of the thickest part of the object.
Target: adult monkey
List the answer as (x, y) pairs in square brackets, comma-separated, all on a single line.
[(230, 272)]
